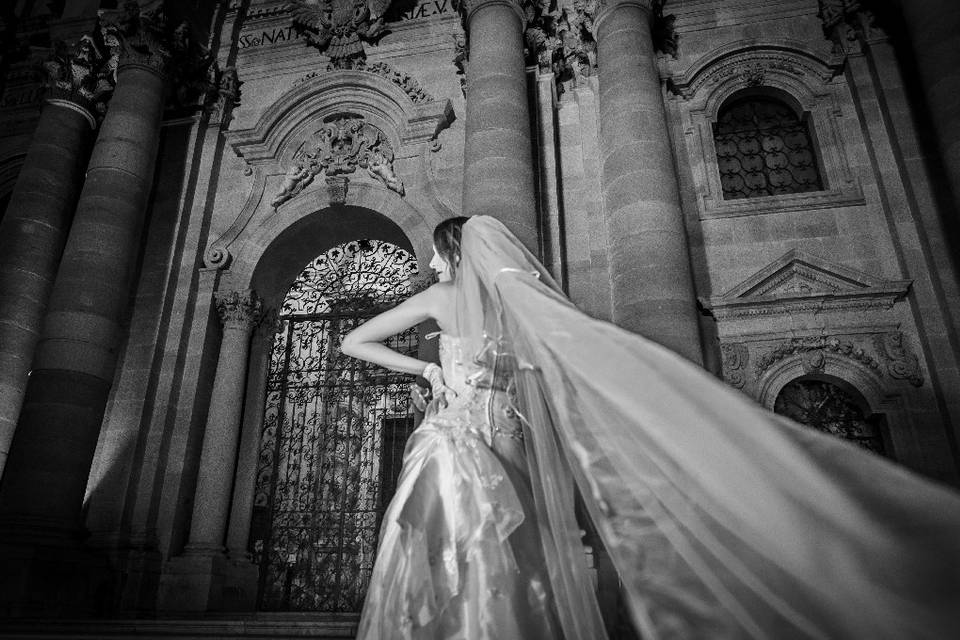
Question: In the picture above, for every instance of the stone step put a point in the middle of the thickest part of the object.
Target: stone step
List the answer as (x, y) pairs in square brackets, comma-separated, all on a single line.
[(254, 626)]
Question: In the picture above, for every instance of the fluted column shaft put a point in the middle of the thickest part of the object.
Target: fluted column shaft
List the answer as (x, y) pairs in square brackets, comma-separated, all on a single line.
[(32, 236), (240, 312), (934, 27), (649, 260), (53, 447), (498, 175)]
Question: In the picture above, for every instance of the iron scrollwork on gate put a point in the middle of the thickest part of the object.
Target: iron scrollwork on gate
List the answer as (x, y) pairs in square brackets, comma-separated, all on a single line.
[(333, 433)]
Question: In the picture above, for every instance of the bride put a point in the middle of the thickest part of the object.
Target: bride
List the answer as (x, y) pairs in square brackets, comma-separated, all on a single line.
[(722, 519)]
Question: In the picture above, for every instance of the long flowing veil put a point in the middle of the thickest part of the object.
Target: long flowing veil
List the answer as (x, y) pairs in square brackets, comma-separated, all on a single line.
[(722, 519)]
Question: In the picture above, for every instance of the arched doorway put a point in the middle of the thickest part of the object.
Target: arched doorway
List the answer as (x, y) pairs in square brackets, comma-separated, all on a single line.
[(832, 406), (333, 434)]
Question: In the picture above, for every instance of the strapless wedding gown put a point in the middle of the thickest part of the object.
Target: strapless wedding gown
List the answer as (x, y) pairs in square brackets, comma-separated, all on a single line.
[(459, 555)]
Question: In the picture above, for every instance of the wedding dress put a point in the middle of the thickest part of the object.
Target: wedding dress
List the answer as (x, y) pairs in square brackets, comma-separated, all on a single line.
[(459, 554), (723, 520)]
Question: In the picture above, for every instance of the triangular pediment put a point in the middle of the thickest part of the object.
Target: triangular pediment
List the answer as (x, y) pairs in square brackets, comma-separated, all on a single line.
[(799, 279)]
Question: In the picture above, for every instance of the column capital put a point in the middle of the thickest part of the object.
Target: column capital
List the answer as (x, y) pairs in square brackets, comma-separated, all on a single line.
[(81, 76), (239, 309), (137, 38), (469, 8)]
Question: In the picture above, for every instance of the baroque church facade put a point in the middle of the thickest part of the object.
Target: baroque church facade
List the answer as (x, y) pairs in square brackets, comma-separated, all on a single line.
[(200, 198)]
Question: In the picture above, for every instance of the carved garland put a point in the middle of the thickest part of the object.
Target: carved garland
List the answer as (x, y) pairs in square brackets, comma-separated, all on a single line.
[(798, 346), (894, 357)]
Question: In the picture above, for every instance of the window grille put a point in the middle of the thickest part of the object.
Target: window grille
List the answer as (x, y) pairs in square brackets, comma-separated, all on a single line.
[(764, 149), (333, 436), (828, 408)]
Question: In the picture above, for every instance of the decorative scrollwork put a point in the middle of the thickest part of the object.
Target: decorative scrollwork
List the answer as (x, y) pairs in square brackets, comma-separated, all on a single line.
[(901, 363), (363, 274), (733, 358), (216, 257)]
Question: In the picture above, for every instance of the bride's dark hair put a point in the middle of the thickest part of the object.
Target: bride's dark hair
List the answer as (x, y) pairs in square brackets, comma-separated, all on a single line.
[(446, 238)]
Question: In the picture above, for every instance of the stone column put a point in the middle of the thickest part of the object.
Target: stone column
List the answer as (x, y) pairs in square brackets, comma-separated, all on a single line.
[(498, 177), (34, 229), (934, 28), (240, 312), (52, 450), (195, 580), (652, 287)]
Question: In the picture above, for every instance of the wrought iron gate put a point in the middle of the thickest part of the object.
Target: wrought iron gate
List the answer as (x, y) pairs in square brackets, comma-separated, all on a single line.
[(333, 435)]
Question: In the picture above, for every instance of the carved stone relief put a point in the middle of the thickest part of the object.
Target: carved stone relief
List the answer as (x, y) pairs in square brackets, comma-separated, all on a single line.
[(148, 39), (733, 358), (337, 149), (881, 355), (405, 81), (337, 28), (812, 350), (901, 363), (849, 25)]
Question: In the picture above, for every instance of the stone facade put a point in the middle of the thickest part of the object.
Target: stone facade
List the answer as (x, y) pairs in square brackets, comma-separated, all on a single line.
[(162, 240)]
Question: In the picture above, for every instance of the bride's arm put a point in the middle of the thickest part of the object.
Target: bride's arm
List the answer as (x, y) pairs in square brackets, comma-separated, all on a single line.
[(365, 342)]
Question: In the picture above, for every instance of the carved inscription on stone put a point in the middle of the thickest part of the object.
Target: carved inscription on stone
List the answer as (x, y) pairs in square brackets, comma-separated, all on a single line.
[(339, 148)]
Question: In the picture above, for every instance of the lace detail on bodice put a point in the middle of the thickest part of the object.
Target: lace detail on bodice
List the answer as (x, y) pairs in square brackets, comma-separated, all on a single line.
[(457, 366)]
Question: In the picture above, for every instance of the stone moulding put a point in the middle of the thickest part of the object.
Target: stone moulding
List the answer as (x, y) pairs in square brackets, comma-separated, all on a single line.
[(750, 63), (800, 282), (815, 346), (405, 81), (406, 122)]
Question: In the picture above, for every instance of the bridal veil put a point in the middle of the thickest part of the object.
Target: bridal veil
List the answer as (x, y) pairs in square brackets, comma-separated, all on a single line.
[(722, 519)]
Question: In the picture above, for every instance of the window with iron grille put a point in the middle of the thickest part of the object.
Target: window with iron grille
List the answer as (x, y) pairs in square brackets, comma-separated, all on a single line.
[(764, 149), (829, 408), (334, 431)]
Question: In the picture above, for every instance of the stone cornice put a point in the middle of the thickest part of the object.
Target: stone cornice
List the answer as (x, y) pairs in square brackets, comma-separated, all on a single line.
[(793, 58), (801, 283)]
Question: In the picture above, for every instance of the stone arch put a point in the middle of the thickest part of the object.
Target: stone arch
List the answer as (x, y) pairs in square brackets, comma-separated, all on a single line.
[(794, 67), (408, 123), (865, 379), (300, 242), (369, 209)]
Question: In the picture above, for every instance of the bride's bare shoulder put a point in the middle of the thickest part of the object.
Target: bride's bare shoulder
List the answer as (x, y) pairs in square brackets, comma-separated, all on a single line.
[(442, 301)]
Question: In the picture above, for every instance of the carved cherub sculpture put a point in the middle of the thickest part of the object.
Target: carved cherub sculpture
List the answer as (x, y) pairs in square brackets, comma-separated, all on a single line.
[(295, 180)]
